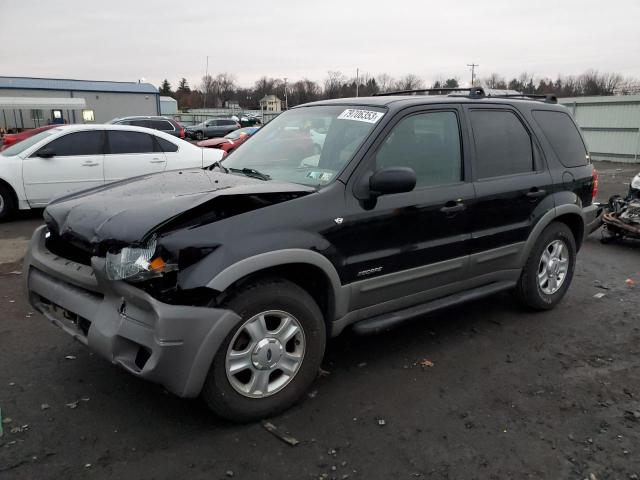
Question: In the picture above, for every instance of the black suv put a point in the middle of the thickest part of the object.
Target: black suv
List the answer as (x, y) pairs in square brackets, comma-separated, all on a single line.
[(164, 124), (225, 282)]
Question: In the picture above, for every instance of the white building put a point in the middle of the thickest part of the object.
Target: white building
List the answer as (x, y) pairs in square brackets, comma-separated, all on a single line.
[(271, 103), (27, 102)]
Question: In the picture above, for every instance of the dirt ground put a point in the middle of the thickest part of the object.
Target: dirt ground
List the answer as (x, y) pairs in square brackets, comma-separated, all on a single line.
[(510, 393)]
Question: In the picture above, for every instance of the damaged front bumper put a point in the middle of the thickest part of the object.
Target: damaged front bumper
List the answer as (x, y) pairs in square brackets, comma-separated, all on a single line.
[(172, 345)]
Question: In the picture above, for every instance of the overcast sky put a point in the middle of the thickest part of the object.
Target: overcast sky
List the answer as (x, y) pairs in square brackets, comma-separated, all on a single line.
[(127, 40)]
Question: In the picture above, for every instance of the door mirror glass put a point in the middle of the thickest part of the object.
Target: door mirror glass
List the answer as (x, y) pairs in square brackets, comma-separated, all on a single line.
[(46, 152), (392, 180)]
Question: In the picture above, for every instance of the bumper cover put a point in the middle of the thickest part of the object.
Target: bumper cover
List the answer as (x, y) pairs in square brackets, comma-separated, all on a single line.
[(171, 345), (592, 216)]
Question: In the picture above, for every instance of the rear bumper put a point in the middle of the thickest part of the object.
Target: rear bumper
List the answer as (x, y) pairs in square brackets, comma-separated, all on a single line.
[(171, 345), (592, 216)]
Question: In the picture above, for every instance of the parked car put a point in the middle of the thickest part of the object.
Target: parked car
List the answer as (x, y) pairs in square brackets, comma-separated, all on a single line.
[(12, 138), (226, 282), (216, 127), (75, 157), (164, 124), (250, 121), (231, 141)]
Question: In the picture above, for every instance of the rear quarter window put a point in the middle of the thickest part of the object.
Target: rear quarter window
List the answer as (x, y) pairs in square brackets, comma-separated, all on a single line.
[(564, 137)]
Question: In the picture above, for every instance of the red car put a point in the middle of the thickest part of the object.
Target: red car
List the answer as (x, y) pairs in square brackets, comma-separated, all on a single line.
[(231, 141), (13, 138)]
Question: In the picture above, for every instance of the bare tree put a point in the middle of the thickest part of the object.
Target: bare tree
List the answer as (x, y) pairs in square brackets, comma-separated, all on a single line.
[(333, 84), (385, 82), (409, 82), (496, 81)]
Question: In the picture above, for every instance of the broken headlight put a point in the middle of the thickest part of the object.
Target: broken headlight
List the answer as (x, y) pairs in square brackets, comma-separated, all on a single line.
[(136, 264)]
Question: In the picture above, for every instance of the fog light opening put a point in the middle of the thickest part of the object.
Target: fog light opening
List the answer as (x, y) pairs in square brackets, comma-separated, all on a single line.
[(142, 357)]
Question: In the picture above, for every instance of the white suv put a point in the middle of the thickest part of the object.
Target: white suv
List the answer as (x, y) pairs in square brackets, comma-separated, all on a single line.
[(75, 157)]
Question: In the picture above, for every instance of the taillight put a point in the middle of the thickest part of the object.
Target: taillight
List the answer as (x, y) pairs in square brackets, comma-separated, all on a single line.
[(182, 134), (594, 180)]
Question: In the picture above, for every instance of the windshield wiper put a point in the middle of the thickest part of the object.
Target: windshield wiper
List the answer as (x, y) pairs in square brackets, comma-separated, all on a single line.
[(219, 165), (251, 172)]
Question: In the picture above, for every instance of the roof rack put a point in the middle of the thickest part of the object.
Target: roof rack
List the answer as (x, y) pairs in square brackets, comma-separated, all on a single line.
[(547, 98), (473, 92)]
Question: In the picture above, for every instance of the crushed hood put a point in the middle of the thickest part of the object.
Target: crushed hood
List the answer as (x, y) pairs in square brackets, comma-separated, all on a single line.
[(126, 211)]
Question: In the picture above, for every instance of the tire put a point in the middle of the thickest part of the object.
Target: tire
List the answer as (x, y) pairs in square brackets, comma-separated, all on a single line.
[(529, 289), (7, 203), (230, 395), (199, 136)]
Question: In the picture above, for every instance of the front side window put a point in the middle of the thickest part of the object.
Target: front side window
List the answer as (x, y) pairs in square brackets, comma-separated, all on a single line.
[(428, 143), (289, 148), (123, 142), (503, 146), (78, 143)]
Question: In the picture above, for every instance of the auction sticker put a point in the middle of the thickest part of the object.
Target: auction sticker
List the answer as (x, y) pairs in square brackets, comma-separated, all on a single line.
[(368, 116)]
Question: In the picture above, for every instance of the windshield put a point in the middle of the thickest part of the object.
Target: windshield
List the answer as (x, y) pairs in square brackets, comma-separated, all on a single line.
[(308, 145), (20, 147)]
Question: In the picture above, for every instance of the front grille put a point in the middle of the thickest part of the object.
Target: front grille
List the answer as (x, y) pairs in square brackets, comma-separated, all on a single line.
[(64, 249)]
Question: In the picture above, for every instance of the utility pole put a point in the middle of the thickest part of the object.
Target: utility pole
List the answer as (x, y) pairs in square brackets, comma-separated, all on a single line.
[(473, 72), (286, 102), (206, 79), (357, 80)]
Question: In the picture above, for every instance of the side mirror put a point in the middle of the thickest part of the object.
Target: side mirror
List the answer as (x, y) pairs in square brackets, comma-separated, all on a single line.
[(392, 180), (46, 152)]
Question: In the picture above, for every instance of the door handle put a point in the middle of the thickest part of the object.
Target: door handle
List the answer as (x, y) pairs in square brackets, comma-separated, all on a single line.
[(157, 160), (536, 192), (453, 207), (90, 164)]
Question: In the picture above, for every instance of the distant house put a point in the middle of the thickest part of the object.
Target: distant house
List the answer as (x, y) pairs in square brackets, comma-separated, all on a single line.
[(234, 104), (271, 103)]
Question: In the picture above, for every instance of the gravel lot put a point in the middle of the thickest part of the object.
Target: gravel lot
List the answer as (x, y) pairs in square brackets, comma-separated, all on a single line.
[(485, 390)]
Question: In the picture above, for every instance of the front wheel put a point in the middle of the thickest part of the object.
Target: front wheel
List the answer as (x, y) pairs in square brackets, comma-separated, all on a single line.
[(271, 356), (7, 204), (199, 136), (548, 272)]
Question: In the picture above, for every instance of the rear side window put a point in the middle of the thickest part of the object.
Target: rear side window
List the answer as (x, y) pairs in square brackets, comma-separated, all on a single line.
[(227, 122), (161, 125), (78, 143), (166, 145), (138, 123), (130, 142), (563, 136), (503, 145)]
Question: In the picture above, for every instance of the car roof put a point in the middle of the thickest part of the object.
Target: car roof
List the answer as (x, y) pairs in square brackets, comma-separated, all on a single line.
[(403, 101), (110, 126), (144, 117)]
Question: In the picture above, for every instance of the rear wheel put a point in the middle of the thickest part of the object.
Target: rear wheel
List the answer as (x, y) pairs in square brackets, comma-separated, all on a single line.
[(7, 203), (549, 268), (272, 355)]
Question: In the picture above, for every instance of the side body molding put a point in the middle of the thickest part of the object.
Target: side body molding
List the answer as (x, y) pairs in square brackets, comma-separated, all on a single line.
[(277, 258)]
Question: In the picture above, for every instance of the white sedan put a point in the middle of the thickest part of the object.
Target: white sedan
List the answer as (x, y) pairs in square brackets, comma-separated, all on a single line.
[(74, 157)]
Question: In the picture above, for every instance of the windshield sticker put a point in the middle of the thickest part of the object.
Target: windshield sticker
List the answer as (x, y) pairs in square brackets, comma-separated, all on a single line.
[(320, 176), (368, 116)]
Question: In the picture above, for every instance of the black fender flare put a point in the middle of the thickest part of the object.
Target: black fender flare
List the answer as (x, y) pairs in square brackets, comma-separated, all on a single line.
[(276, 258)]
